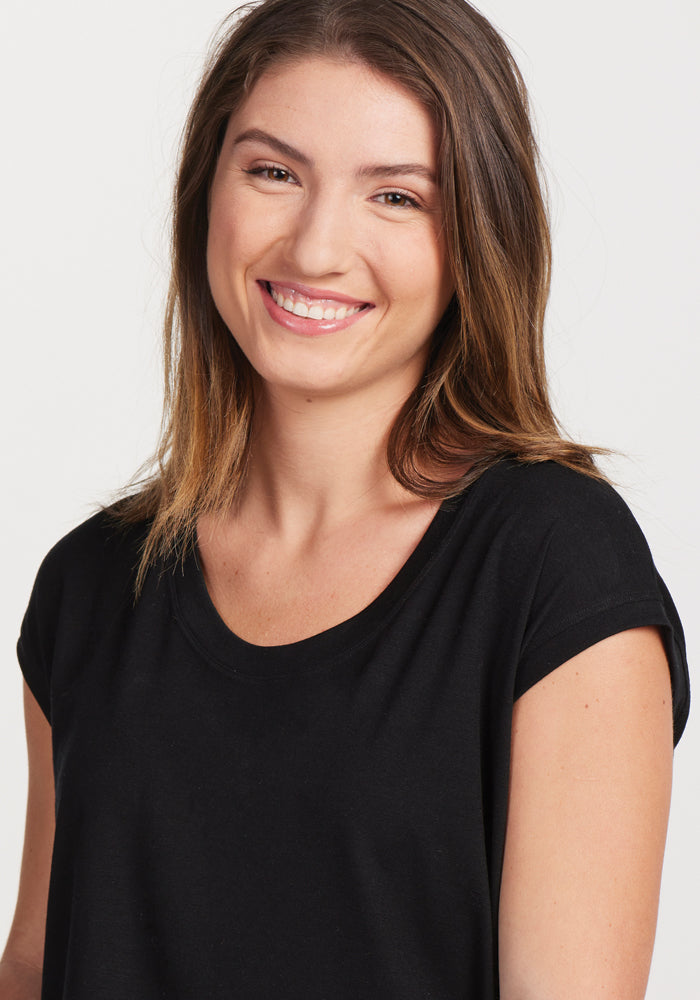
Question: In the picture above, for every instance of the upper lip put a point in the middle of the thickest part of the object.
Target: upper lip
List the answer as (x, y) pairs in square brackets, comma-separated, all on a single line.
[(318, 293)]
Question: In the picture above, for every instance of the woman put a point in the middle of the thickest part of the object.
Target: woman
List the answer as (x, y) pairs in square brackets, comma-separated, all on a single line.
[(370, 691)]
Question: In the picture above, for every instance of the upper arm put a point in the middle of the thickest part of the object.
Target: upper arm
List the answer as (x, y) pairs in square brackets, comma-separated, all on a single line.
[(26, 939), (591, 756)]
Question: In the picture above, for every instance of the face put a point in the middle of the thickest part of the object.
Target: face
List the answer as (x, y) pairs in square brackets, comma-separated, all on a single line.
[(325, 253)]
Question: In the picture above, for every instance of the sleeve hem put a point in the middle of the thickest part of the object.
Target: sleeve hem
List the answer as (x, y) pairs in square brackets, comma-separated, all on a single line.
[(537, 663), (35, 681)]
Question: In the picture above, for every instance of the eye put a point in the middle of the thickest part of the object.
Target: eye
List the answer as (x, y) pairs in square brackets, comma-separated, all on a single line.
[(397, 199), (269, 172)]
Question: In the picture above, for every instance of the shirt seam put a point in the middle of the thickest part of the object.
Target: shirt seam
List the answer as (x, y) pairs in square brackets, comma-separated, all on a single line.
[(590, 612)]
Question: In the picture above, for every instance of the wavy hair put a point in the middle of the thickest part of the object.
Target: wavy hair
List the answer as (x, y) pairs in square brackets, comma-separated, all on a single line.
[(483, 394)]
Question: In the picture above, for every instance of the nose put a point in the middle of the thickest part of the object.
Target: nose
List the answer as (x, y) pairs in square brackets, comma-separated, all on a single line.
[(320, 238)]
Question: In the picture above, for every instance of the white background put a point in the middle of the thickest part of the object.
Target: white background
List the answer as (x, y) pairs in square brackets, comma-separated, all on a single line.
[(94, 95)]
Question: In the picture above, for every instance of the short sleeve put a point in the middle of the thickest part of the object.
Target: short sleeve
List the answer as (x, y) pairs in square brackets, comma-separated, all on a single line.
[(35, 643), (597, 578)]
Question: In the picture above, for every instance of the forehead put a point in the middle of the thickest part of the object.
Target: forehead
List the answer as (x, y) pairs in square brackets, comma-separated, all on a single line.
[(370, 113)]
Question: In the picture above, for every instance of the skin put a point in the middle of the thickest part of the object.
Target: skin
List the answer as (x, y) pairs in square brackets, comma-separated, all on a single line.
[(20, 968), (322, 527), (588, 808), (316, 217), (334, 214)]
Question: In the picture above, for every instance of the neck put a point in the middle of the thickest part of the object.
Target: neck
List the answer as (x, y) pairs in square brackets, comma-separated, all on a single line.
[(316, 463)]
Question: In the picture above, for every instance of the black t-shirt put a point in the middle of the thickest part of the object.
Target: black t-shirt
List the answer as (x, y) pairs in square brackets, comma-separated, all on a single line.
[(323, 820)]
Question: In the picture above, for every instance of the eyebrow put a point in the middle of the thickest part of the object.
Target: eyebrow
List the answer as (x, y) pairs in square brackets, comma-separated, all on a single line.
[(376, 170), (257, 135)]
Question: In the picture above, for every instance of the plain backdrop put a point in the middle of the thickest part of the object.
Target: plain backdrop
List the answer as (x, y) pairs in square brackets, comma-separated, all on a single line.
[(93, 97)]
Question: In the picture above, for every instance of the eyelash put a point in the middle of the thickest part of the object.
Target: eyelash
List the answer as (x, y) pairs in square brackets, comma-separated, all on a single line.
[(267, 168), (410, 202)]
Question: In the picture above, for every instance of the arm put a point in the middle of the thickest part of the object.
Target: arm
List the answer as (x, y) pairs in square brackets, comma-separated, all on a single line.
[(20, 967), (591, 760)]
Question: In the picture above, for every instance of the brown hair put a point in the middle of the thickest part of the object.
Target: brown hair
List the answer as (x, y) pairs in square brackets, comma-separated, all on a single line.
[(483, 394)]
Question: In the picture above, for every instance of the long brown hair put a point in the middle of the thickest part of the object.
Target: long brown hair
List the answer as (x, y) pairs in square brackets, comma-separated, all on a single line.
[(484, 392)]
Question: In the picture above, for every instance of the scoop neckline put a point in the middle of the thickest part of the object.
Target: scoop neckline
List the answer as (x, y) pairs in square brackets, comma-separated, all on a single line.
[(205, 628)]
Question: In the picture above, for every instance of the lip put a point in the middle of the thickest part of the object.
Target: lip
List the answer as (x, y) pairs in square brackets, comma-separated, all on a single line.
[(302, 324)]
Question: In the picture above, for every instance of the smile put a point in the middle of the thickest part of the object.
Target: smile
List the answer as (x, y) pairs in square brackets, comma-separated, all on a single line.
[(306, 306)]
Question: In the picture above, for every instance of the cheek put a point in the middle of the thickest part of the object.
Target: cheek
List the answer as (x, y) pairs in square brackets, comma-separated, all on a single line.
[(219, 235), (225, 257), (232, 219), (435, 270), (226, 237), (418, 274)]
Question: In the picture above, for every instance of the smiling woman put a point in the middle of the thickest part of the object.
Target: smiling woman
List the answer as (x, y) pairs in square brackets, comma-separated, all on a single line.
[(283, 219), (371, 689)]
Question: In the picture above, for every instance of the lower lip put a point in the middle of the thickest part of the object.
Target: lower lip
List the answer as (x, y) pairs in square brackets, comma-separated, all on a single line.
[(302, 324)]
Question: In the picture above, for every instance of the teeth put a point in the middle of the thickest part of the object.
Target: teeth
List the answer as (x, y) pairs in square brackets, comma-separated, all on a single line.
[(316, 311)]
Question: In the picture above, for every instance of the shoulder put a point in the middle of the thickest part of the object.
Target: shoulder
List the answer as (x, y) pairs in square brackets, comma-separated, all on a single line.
[(97, 558), (583, 568), (547, 490), (81, 583), (99, 545), (546, 508), (567, 540), (582, 542)]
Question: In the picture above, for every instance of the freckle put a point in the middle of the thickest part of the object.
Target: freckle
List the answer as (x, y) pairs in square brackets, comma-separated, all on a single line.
[(309, 400)]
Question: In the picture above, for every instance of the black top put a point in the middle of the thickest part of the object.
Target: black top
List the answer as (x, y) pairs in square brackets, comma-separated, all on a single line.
[(323, 820)]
